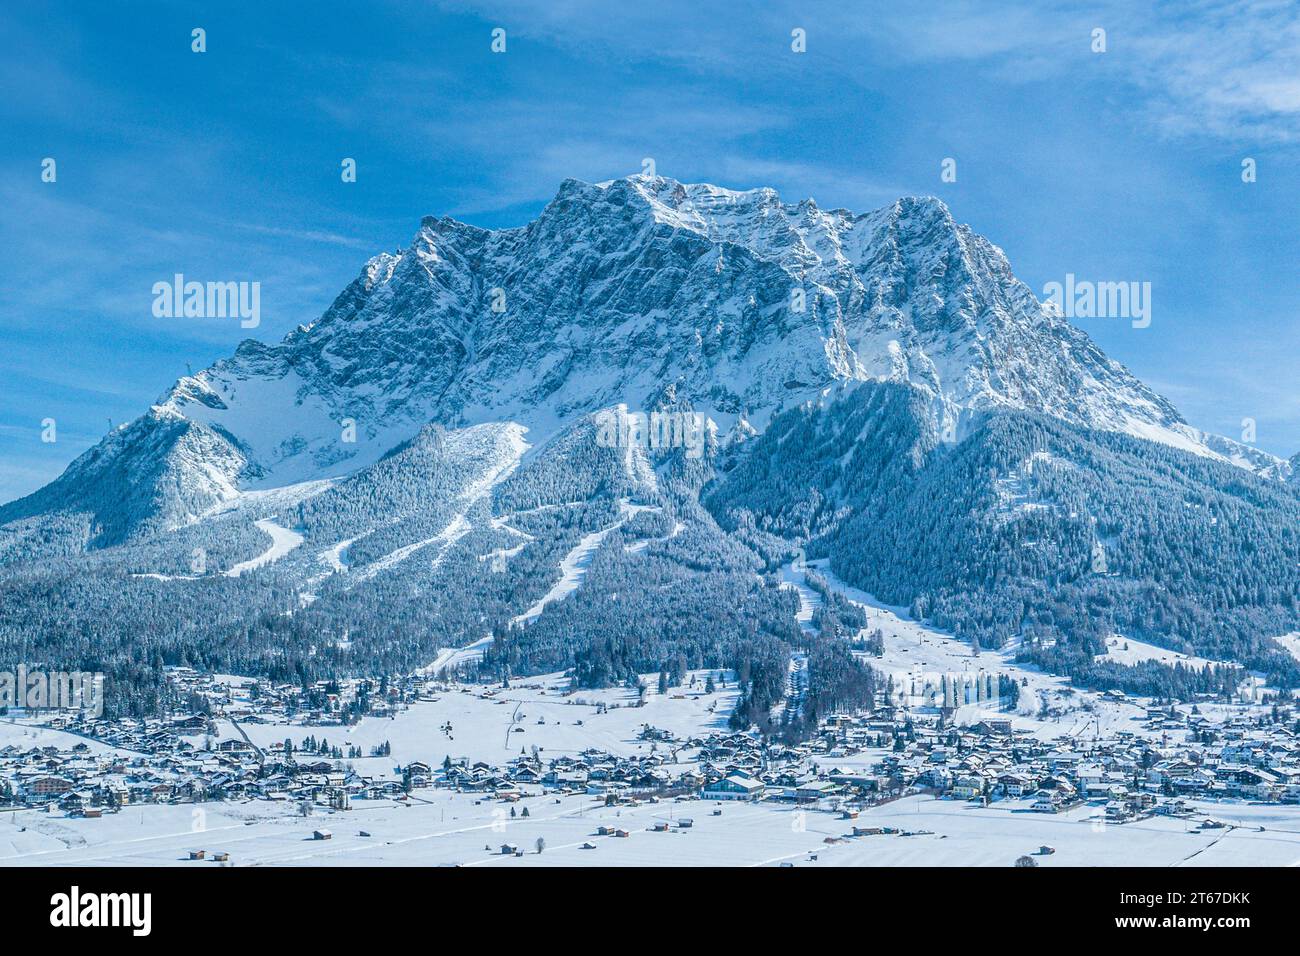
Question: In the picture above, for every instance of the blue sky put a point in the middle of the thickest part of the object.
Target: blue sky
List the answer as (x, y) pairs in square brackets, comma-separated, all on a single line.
[(1123, 165)]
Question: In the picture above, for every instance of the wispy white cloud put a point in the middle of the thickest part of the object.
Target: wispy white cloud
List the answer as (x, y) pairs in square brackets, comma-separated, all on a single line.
[(1223, 69), (307, 235), (1226, 69)]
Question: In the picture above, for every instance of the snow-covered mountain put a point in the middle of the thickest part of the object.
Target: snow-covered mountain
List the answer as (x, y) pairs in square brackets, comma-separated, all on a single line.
[(153, 474), (633, 291), (428, 465)]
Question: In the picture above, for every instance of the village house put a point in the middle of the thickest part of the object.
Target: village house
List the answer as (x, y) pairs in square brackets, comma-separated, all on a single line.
[(734, 787)]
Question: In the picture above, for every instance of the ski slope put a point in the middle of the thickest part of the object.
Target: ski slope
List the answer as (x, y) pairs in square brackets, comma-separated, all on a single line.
[(916, 654), (1127, 650), (573, 566), (1291, 642), (444, 539), (282, 542), (809, 600)]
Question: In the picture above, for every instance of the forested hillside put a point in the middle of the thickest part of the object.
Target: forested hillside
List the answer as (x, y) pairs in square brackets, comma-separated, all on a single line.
[(1030, 530)]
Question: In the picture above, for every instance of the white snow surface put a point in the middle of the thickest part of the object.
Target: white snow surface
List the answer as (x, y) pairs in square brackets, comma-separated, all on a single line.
[(282, 542), (963, 329), (573, 566), (444, 539), (809, 600), (1126, 650), (1291, 642)]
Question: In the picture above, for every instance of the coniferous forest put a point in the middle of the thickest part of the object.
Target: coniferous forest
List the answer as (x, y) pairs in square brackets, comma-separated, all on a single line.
[(1022, 529)]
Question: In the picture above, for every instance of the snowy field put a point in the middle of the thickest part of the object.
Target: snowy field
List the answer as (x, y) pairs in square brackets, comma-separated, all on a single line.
[(26, 735), (441, 827), (1126, 650), (492, 724), (1049, 707), (1292, 643)]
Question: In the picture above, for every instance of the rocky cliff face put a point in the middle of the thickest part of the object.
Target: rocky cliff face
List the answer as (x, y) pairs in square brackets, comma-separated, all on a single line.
[(427, 472), (640, 291)]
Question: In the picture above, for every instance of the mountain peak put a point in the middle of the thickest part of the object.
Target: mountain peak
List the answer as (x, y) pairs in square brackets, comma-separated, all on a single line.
[(621, 292), (924, 207)]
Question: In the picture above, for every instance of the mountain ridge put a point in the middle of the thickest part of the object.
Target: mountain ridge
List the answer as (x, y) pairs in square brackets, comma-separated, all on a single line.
[(426, 473), (642, 290)]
